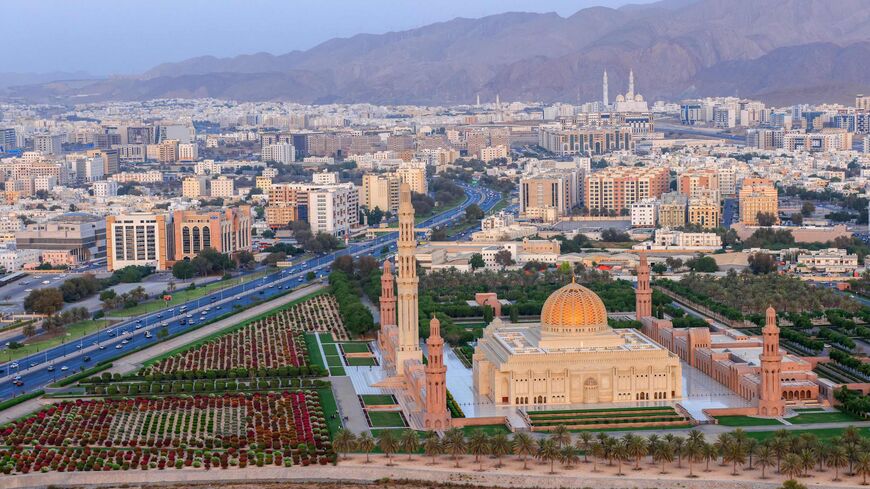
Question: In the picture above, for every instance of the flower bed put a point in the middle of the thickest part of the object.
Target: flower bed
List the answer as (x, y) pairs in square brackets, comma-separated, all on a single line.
[(142, 433), (269, 343)]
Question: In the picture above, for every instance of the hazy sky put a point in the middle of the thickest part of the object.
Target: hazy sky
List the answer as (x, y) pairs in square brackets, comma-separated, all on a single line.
[(129, 36)]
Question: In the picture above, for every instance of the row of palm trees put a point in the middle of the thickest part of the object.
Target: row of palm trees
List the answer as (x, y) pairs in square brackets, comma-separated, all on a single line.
[(795, 456)]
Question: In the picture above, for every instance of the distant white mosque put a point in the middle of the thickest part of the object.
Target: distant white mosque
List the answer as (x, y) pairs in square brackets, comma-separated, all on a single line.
[(630, 102)]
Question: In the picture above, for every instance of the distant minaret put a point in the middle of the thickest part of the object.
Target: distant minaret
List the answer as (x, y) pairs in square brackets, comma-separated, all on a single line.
[(436, 416), (407, 284), (477, 104), (630, 94), (497, 101), (643, 294), (770, 398), (606, 97)]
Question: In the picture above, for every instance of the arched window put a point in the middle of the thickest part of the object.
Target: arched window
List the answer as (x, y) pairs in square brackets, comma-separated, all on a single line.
[(206, 237), (197, 244), (185, 240)]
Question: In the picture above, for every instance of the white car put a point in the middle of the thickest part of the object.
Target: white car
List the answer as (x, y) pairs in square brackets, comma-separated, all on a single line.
[(46, 282), (64, 368), (13, 365), (119, 346)]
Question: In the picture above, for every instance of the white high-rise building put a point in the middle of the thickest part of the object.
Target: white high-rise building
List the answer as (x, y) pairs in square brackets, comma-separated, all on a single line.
[(188, 152), (644, 213), (105, 188), (283, 153), (333, 209), (50, 144)]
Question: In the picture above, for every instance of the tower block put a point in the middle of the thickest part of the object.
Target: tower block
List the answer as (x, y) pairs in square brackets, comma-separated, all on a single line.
[(770, 401), (436, 416), (643, 295), (407, 283)]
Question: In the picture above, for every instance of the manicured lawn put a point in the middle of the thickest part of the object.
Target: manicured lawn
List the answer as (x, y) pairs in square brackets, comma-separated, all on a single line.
[(333, 361), (809, 410), (822, 434), (640, 428), (489, 429), (330, 349), (826, 417), (314, 351), (355, 347), (378, 399), (185, 295), (326, 338), (746, 421), (330, 409), (74, 331), (360, 362), (337, 371), (386, 419)]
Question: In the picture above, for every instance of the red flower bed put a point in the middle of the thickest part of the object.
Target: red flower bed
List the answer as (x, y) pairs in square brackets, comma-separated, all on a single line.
[(142, 433), (273, 342)]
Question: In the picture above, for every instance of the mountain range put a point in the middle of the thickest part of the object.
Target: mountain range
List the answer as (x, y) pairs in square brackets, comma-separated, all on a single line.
[(779, 51)]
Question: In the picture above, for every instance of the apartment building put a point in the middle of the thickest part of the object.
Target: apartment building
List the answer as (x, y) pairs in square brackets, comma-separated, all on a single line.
[(699, 183), (380, 191), (194, 187), (111, 159), (673, 208), (167, 151), (222, 187), (333, 209), (644, 213), (705, 211), (546, 197), (757, 196), (617, 188), (76, 233), (188, 152), (140, 238)]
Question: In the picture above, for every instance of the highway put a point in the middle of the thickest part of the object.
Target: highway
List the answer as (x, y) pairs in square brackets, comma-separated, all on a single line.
[(40, 369)]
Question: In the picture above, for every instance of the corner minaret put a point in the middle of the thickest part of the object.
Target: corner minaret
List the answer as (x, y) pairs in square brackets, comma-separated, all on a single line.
[(643, 294), (630, 94), (436, 416), (407, 283), (770, 398), (606, 97), (388, 296)]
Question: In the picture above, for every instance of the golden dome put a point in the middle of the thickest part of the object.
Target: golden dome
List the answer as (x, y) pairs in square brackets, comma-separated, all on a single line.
[(573, 309)]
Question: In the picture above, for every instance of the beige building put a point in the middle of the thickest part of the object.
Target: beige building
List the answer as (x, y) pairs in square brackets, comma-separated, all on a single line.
[(222, 187), (493, 153), (167, 151), (705, 211), (698, 183), (571, 357), (758, 196), (138, 239), (193, 187), (414, 176), (673, 210), (617, 188), (546, 197), (380, 191)]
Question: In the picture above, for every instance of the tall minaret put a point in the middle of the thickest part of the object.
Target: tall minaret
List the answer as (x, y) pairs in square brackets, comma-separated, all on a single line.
[(606, 97), (643, 295), (436, 416), (497, 101), (770, 398), (630, 94), (477, 104), (388, 296), (407, 281)]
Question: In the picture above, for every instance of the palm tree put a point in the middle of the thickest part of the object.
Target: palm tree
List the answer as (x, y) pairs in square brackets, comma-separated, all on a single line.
[(409, 441), (694, 453), (722, 441), (695, 436), (524, 445), (584, 439), (711, 452), (454, 444), (366, 443), (561, 436), (499, 446), (388, 442), (620, 453), (432, 445), (679, 444), (751, 449), (837, 458), (734, 453), (808, 460), (549, 452), (636, 448), (344, 441), (779, 446), (862, 466), (764, 457), (652, 442), (792, 466), (569, 456), (478, 444), (821, 452), (598, 452), (664, 454)]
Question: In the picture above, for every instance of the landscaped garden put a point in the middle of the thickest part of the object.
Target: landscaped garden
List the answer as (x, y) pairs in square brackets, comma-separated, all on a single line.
[(386, 419), (281, 429), (746, 421), (267, 344), (606, 418)]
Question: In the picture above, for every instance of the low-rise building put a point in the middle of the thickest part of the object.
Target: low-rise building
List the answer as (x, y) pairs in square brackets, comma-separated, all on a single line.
[(81, 235), (831, 261), (644, 213)]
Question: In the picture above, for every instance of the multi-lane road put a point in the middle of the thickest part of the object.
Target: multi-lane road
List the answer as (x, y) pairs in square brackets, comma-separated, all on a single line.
[(40, 369)]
